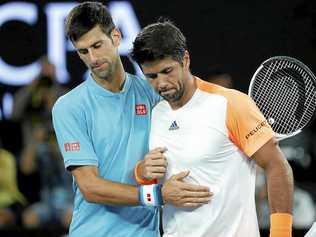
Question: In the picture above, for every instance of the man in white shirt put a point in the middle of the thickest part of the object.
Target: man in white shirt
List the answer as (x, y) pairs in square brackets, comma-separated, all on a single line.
[(216, 134)]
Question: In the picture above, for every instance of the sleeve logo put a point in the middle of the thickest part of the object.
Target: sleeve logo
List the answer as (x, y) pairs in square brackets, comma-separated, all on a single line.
[(256, 129), (72, 146), (140, 109)]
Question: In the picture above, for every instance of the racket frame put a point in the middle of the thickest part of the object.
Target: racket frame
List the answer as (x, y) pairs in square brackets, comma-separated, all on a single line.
[(278, 136)]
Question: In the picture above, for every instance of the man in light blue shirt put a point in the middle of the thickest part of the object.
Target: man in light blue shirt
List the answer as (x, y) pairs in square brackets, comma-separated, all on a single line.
[(102, 129), (107, 130)]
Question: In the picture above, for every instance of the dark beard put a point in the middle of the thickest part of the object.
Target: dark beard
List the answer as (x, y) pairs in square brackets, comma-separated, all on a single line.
[(176, 96)]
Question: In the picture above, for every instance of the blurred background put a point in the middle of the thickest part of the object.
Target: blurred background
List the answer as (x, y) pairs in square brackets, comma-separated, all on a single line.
[(227, 41)]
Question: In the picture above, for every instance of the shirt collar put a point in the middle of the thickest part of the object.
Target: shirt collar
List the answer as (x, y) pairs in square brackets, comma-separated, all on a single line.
[(98, 89)]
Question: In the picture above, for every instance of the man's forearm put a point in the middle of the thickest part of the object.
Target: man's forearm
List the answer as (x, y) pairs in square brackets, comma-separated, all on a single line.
[(96, 189), (176, 192), (107, 192), (280, 187)]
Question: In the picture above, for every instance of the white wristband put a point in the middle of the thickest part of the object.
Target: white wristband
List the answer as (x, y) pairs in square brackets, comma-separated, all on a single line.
[(150, 195)]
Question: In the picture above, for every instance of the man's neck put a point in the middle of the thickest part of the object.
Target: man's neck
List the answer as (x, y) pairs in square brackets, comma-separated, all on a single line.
[(115, 81), (190, 88)]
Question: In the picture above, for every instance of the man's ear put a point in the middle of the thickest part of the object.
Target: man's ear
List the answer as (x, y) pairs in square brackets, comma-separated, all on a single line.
[(186, 60), (116, 37)]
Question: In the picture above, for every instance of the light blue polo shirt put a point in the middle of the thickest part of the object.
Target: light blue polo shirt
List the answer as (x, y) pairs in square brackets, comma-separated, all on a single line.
[(109, 130)]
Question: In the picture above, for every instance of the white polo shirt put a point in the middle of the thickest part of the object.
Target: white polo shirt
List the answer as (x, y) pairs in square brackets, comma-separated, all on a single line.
[(212, 135)]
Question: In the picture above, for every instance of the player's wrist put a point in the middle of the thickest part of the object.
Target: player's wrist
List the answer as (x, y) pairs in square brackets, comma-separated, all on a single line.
[(150, 195), (281, 225)]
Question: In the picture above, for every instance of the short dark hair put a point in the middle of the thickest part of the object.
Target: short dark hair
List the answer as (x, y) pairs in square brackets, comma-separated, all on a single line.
[(158, 41), (85, 16)]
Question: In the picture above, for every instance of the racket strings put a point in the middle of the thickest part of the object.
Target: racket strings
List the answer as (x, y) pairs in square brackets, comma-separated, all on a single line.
[(303, 110), (310, 99), (287, 111), (282, 99), (266, 73), (263, 76), (311, 102), (283, 103), (276, 109), (288, 94), (269, 95)]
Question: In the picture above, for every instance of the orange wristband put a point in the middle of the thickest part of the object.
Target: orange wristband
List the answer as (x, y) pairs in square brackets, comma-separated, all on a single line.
[(138, 178), (281, 225)]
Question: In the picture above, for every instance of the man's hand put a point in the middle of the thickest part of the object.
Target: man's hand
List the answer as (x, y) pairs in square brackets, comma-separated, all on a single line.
[(154, 165), (180, 194)]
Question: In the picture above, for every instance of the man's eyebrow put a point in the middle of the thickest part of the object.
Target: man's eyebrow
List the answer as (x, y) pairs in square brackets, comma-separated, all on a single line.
[(93, 44), (165, 69), (154, 75), (97, 42), (151, 75)]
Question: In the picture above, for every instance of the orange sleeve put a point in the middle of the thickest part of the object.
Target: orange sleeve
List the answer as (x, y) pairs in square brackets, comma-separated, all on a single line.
[(138, 178), (248, 128)]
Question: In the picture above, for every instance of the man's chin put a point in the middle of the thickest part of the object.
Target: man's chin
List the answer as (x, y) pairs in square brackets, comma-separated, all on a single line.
[(101, 75), (171, 98)]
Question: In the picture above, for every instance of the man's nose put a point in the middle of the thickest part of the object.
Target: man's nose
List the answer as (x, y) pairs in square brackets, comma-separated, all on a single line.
[(92, 56), (162, 82)]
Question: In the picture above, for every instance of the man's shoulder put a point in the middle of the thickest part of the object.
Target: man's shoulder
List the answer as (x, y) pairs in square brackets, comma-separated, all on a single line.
[(134, 77), (161, 107), (72, 99), (232, 96), (139, 81), (143, 88)]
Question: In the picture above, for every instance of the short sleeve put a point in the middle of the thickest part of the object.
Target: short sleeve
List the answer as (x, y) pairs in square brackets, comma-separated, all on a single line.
[(247, 126), (72, 135)]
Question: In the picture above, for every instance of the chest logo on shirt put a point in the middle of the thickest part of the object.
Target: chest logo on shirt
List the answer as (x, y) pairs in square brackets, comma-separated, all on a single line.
[(140, 109), (174, 126), (72, 146)]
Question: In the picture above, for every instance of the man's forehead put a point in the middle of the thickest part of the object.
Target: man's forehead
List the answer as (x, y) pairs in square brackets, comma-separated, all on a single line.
[(158, 65), (89, 38)]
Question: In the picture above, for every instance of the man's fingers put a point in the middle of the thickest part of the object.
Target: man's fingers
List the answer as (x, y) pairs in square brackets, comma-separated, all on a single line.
[(155, 156), (180, 175), (157, 175), (155, 172), (156, 169), (197, 195), (158, 162), (196, 200), (192, 204), (193, 187), (158, 149)]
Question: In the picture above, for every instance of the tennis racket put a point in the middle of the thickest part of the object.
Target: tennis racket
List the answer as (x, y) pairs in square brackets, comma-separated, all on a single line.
[(284, 89)]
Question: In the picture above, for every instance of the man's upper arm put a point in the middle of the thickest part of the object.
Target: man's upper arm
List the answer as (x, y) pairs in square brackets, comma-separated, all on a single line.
[(247, 126), (268, 154), (72, 135)]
